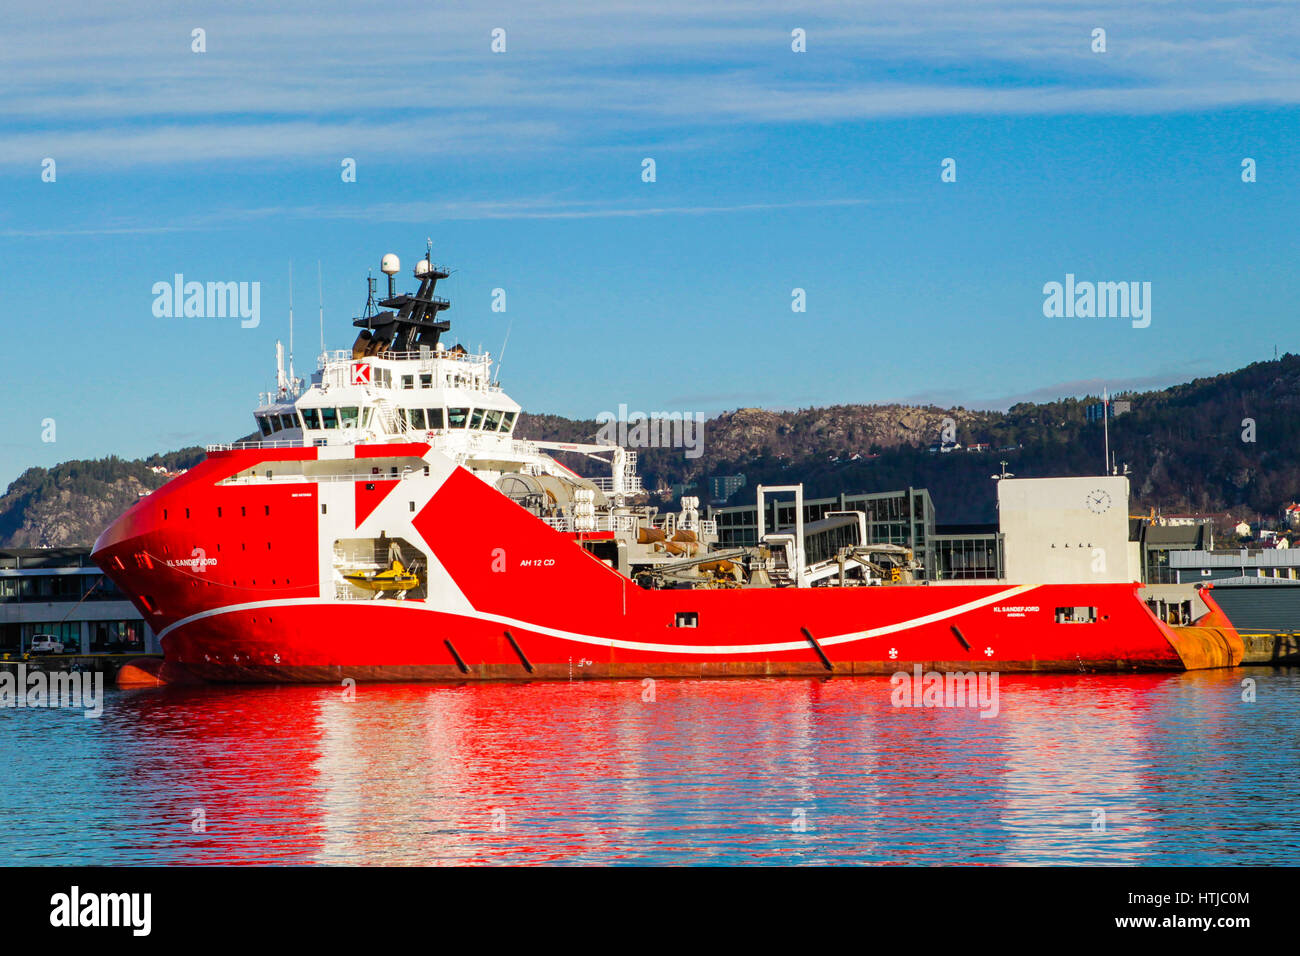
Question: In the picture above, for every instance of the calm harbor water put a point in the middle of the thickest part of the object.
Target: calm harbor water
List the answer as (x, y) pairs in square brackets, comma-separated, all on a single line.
[(709, 772)]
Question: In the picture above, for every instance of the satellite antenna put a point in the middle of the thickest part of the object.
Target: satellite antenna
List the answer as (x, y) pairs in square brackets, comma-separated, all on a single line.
[(390, 265)]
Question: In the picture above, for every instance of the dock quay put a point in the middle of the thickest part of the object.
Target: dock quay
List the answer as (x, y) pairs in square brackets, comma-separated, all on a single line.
[(108, 664), (1271, 648)]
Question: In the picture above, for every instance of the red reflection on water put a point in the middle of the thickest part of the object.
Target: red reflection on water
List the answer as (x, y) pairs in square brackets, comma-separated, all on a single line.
[(706, 771)]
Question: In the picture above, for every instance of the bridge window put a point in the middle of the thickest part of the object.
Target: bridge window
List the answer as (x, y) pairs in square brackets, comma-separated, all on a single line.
[(456, 417), (329, 418), (311, 416), (417, 418), (289, 420), (491, 419), (476, 420), (408, 381), (435, 417), (275, 422), (508, 421), (263, 424), (348, 416), (426, 380)]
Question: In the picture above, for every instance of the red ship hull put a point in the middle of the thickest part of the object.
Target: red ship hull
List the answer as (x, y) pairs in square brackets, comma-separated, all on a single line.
[(231, 577)]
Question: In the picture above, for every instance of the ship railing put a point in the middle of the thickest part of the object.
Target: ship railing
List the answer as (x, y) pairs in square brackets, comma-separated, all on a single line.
[(471, 357), (263, 478), (600, 522), (236, 445), (344, 356), (282, 399), (672, 521), (631, 484), (346, 592), (624, 522)]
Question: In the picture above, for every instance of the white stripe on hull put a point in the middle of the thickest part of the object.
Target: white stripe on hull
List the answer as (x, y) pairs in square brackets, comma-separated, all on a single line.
[(770, 648)]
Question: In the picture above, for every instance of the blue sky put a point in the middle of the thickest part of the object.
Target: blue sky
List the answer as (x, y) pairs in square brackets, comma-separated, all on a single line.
[(775, 170)]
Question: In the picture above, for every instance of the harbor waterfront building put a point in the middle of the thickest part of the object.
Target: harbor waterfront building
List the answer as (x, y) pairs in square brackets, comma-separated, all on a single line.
[(893, 517), (1160, 542), (1243, 566), (722, 487), (905, 517), (1258, 588), (1058, 530), (61, 592), (1050, 530)]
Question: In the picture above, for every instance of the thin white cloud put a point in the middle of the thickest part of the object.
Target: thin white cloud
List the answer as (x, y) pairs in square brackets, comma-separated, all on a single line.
[(300, 80), (519, 209)]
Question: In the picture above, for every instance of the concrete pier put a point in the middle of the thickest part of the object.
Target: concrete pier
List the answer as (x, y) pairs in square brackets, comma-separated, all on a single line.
[(109, 664), (1271, 648)]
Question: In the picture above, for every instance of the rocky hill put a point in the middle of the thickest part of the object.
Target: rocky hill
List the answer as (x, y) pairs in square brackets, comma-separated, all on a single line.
[(71, 503), (1228, 443)]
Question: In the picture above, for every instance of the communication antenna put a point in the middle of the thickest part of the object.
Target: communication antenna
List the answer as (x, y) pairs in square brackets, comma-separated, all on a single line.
[(502, 357), (1105, 426), (320, 295), (291, 377)]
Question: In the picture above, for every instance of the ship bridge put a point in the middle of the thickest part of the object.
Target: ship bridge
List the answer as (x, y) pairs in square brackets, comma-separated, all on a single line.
[(399, 384)]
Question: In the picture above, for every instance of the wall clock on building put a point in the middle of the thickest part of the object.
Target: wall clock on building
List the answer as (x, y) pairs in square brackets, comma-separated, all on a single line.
[(1098, 501)]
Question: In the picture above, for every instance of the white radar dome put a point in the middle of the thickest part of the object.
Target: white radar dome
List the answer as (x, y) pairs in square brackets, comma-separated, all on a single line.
[(422, 268), (390, 264)]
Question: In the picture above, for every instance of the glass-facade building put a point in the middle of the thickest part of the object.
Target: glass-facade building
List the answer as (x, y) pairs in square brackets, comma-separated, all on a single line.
[(62, 593), (893, 517), (967, 557)]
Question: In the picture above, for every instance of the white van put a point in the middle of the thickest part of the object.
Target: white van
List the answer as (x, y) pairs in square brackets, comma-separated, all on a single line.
[(45, 644)]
